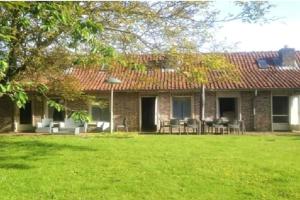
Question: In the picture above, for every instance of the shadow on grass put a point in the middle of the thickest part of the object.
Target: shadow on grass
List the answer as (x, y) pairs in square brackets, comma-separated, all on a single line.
[(15, 154)]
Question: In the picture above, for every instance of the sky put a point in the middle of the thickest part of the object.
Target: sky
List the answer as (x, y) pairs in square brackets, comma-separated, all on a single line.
[(270, 36)]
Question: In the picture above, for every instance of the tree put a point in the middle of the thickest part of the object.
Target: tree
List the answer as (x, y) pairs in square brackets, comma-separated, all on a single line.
[(41, 41)]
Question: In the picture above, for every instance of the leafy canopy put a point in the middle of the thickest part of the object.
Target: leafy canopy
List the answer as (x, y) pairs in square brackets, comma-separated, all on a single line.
[(40, 42)]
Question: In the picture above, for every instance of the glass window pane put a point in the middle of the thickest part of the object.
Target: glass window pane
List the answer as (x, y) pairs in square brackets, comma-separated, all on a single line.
[(280, 105), (280, 119), (96, 113), (101, 111), (181, 107)]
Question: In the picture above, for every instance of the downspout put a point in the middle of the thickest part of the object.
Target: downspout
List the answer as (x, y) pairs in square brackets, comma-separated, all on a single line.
[(202, 106), (202, 102), (254, 109)]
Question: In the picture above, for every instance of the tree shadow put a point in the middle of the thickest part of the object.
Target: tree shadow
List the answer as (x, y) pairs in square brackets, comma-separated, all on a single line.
[(14, 154), (14, 166), (116, 135)]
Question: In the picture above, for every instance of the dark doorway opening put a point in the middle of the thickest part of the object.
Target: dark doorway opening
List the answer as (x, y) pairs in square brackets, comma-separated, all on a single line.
[(148, 114), (228, 108), (26, 114)]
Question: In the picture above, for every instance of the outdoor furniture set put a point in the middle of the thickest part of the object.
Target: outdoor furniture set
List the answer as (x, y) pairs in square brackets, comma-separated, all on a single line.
[(68, 126), (72, 127), (221, 125)]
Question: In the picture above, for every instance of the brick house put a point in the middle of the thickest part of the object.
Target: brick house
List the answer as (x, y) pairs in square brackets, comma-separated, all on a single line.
[(267, 98)]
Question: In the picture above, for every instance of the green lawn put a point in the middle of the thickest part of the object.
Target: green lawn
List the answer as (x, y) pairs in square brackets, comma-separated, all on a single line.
[(150, 167)]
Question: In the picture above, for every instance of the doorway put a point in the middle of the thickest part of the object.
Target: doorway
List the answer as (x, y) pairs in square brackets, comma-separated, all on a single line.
[(148, 113), (228, 108), (280, 113), (26, 114)]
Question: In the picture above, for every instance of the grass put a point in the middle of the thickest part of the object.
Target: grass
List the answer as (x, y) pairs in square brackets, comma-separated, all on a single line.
[(150, 167)]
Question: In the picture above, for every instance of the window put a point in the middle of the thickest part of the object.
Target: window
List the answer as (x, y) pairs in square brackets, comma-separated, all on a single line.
[(181, 107), (99, 111), (228, 108), (57, 116), (280, 109), (262, 64)]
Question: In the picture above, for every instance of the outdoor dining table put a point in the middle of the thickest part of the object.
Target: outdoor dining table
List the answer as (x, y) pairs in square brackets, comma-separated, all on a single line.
[(182, 125)]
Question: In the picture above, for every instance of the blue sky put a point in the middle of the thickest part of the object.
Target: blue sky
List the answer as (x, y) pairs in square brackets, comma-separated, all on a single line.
[(271, 36)]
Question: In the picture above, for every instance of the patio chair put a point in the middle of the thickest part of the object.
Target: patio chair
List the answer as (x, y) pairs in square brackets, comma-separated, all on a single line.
[(123, 126), (236, 126), (221, 125), (70, 126), (174, 123), (192, 124), (163, 124), (208, 122), (102, 125), (45, 126)]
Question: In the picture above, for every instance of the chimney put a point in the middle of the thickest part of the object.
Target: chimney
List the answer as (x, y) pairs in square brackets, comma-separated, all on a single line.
[(287, 57)]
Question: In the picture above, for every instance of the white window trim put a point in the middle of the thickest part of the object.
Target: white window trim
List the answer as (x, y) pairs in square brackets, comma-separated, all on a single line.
[(184, 96), (288, 115)]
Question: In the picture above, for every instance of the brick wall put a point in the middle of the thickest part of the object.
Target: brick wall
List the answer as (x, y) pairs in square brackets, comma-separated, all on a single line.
[(210, 104), (164, 106), (263, 111), (247, 110), (38, 109), (127, 105), (6, 115)]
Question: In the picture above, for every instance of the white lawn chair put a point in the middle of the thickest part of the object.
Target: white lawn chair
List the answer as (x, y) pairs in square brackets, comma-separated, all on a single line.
[(45, 126), (102, 125), (70, 126)]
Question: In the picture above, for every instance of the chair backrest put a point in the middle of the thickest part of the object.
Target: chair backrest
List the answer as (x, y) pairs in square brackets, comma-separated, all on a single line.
[(192, 121), (174, 122), (236, 122), (70, 123), (125, 121), (46, 122), (224, 120), (209, 119)]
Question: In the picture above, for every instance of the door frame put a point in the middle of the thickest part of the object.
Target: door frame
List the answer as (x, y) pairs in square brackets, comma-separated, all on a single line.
[(281, 126), (156, 111), (23, 127)]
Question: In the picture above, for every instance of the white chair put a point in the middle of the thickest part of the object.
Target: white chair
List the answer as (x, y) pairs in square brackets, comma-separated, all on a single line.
[(70, 126), (102, 125), (45, 126)]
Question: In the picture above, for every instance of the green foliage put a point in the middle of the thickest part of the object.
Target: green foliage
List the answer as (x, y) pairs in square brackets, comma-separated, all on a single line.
[(39, 41), (3, 69), (81, 116), (42, 88), (59, 107)]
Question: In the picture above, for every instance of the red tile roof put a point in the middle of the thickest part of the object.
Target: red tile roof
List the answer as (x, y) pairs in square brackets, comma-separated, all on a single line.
[(252, 77)]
